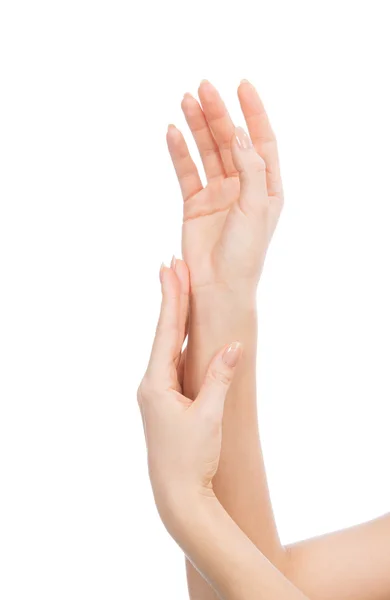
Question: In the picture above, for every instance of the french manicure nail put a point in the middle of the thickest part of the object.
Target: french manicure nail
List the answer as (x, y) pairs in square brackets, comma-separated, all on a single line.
[(232, 354), (207, 84), (161, 272), (243, 140), (173, 262)]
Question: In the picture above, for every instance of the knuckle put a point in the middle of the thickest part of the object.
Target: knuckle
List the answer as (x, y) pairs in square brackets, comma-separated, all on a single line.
[(140, 393), (255, 164), (257, 169), (281, 202), (225, 144), (167, 327), (216, 375), (140, 397), (209, 151), (211, 415), (259, 164), (145, 389), (214, 421), (254, 176)]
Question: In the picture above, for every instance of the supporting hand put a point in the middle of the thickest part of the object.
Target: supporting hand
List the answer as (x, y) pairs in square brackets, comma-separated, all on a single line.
[(183, 437)]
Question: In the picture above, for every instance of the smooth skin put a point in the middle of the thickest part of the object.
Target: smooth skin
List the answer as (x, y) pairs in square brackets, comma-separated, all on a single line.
[(227, 227), (225, 247), (184, 439)]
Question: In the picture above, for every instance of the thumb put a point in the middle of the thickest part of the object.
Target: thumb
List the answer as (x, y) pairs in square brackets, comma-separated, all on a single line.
[(212, 395), (252, 173)]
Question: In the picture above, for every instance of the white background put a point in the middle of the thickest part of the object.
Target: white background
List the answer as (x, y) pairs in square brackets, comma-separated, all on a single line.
[(89, 207)]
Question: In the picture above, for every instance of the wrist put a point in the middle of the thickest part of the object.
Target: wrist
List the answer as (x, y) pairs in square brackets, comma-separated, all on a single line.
[(186, 513), (223, 301), (235, 287)]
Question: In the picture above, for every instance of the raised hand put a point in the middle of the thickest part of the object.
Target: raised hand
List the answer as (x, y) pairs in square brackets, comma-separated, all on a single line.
[(228, 223)]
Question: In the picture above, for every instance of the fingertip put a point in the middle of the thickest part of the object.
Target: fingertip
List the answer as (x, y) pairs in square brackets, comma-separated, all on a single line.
[(176, 143), (241, 145), (183, 275), (242, 139), (189, 104), (244, 85), (169, 281), (206, 88), (161, 272), (188, 98), (232, 354), (245, 157), (171, 129), (173, 134), (251, 104)]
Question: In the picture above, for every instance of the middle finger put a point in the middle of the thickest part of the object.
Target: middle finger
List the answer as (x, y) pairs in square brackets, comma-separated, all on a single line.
[(220, 123), (203, 137)]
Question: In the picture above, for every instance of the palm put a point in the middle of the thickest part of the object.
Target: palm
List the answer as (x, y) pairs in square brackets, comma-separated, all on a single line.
[(204, 227)]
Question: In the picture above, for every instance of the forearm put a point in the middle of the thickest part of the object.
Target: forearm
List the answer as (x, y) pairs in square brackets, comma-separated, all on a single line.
[(219, 317), (232, 565), (323, 568), (353, 563)]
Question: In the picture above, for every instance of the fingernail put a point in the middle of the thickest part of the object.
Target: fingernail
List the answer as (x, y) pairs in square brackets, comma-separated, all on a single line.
[(243, 140), (188, 96), (206, 82), (161, 272), (245, 81), (232, 354), (173, 262)]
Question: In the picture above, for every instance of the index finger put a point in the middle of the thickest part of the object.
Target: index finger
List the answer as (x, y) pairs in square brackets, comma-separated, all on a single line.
[(167, 343)]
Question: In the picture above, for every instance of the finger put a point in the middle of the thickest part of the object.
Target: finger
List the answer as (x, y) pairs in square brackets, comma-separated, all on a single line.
[(219, 122), (262, 135), (181, 270), (167, 343), (251, 170), (212, 395), (186, 171), (181, 368), (207, 146)]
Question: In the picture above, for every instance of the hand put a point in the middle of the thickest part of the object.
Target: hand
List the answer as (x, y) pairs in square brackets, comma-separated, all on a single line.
[(183, 437), (228, 224)]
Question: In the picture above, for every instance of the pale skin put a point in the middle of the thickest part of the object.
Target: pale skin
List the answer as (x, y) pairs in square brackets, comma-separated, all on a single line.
[(226, 232), (184, 440)]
